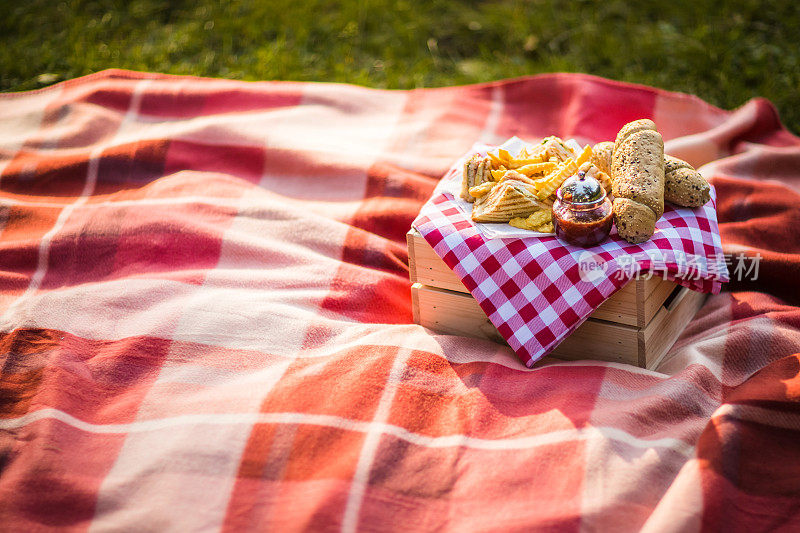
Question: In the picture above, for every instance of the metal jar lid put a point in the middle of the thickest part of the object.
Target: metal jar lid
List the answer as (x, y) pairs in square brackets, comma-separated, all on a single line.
[(581, 189)]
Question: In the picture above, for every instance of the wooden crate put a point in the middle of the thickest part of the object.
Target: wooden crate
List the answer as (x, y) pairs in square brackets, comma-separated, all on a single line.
[(638, 325)]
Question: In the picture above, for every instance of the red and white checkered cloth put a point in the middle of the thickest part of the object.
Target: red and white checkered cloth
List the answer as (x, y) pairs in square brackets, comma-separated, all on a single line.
[(537, 290), (205, 321)]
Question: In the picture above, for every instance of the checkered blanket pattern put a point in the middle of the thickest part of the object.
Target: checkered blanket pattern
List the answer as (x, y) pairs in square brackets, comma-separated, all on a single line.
[(205, 321), (536, 291)]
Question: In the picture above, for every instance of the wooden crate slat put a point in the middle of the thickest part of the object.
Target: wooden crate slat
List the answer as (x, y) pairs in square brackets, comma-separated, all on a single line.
[(634, 305), (661, 333), (655, 299), (459, 314), (427, 267)]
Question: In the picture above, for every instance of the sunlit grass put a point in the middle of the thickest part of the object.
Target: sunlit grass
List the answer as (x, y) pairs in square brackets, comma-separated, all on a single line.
[(725, 52)]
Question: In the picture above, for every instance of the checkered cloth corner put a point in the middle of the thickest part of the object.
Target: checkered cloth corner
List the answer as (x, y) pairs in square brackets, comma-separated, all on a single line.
[(537, 290)]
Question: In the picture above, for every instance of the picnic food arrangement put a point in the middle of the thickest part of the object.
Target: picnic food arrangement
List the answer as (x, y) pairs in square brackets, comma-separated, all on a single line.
[(523, 189), (578, 194), (606, 198)]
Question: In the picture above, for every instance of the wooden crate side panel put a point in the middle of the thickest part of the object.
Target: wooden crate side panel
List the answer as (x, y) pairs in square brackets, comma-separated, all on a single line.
[(453, 312), (655, 300), (459, 314), (428, 268), (621, 307), (665, 328), (412, 255), (415, 307), (651, 284)]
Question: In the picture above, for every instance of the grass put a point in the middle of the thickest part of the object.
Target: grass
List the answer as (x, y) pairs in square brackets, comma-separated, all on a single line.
[(724, 51)]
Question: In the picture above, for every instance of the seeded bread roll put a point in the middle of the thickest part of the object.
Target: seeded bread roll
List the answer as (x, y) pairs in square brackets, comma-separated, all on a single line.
[(601, 156), (673, 163), (683, 185), (635, 222), (637, 174), (632, 127)]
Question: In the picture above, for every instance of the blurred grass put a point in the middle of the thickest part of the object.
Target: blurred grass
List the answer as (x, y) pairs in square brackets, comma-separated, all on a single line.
[(726, 52)]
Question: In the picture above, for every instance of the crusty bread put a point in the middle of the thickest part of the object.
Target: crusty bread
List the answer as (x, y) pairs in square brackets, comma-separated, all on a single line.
[(601, 156), (673, 163), (635, 222), (637, 174), (683, 185), (632, 127), (637, 169)]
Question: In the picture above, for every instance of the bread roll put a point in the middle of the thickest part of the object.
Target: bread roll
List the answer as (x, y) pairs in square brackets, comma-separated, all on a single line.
[(601, 156), (632, 127), (635, 222), (637, 174), (683, 185)]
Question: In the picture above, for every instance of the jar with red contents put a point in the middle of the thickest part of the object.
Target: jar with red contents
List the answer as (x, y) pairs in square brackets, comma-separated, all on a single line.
[(582, 212)]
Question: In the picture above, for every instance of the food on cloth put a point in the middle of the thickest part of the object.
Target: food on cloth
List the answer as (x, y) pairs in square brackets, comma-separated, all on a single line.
[(508, 199), (633, 171), (683, 185), (476, 171), (500, 175), (585, 155), (582, 212), (505, 186), (637, 174)]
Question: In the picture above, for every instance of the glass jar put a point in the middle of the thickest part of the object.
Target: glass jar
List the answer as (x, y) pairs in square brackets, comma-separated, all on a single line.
[(582, 211)]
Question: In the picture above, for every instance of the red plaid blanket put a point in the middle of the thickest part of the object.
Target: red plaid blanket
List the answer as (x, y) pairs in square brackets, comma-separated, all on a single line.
[(206, 321)]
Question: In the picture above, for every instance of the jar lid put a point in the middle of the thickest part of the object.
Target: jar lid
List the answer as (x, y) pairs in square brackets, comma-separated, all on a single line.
[(581, 189)]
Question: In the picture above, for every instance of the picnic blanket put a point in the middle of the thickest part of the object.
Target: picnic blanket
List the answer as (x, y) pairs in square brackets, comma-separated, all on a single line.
[(206, 320)]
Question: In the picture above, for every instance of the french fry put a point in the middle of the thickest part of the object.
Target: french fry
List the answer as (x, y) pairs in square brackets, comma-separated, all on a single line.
[(523, 159), (536, 168), (479, 190), (546, 228), (548, 202), (585, 155), (539, 183), (497, 175), (504, 154), (539, 221), (547, 185), (520, 222), (514, 175), (495, 158), (540, 217)]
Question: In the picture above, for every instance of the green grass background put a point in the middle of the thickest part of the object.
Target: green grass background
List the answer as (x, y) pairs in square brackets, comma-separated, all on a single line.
[(723, 51)]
